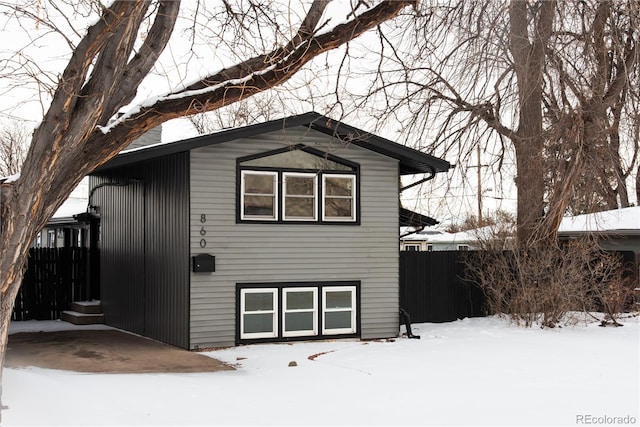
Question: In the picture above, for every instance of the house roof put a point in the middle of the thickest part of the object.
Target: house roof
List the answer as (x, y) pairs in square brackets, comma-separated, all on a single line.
[(617, 221), (411, 161), (66, 212), (414, 219), (441, 237)]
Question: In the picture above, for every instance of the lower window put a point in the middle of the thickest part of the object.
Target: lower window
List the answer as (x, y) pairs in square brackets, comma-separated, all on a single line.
[(286, 311), (259, 308), (339, 310), (300, 312)]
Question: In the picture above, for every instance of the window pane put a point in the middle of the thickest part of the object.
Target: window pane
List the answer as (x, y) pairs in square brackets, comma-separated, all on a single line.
[(338, 207), (258, 184), (301, 185), (299, 321), (338, 186), (300, 207), (258, 322), (300, 300), (258, 205), (337, 320), (298, 159), (338, 299), (258, 301)]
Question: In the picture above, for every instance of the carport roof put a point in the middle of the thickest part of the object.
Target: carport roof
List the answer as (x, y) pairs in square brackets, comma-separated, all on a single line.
[(411, 161)]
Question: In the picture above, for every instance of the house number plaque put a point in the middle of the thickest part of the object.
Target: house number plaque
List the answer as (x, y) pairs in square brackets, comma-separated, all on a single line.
[(203, 231)]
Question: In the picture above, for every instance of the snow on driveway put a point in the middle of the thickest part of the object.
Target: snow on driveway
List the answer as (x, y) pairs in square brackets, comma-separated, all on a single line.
[(480, 371)]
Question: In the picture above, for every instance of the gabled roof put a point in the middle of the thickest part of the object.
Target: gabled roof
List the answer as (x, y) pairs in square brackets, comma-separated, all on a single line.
[(411, 161)]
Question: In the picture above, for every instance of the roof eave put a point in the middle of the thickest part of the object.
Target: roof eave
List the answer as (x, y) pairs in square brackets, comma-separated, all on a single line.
[(412, 161)]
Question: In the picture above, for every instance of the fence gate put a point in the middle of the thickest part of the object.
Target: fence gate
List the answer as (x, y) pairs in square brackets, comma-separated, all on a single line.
[(431, 289)]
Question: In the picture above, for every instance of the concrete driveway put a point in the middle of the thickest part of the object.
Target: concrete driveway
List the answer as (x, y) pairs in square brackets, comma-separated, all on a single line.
[(108, 351)]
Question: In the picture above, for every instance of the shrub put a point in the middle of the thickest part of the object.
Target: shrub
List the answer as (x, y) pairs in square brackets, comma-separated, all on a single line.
[(547, 285)]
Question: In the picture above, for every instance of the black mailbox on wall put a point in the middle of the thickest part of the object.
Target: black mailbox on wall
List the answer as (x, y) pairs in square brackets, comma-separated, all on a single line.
[(204, 263)]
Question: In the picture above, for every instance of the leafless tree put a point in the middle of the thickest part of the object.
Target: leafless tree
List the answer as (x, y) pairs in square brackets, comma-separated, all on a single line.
[(552, 285), (260, 44), (553, 82), (13, 147), (263, 107)]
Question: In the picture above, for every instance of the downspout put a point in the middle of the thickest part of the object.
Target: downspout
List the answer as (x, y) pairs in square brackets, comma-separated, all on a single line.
[(432, 175), (404, 316), (432, 171)]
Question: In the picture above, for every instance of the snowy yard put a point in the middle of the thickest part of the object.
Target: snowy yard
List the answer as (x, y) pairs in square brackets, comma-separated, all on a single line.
[(480, 371)]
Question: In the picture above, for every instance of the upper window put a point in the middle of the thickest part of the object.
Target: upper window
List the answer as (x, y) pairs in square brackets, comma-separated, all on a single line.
[(298, 157), (259, 195), (300, 184), (300, 200), (339, 197)]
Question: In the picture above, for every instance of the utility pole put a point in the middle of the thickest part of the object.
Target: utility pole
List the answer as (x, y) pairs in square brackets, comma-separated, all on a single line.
[(479, 187)]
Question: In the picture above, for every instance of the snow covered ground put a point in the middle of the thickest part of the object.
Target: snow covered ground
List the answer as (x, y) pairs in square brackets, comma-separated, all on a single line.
[(480, 371)]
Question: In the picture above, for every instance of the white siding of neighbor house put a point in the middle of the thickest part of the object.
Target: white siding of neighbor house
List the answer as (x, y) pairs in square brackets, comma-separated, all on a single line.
[(277, 253)]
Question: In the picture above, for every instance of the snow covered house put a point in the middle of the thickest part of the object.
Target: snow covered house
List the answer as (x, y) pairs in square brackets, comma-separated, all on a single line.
[(617, 230), (272, 232), (436, 240), (496, 236)]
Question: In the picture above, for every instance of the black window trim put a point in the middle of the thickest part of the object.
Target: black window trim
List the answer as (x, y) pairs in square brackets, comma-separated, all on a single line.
[(320, 285), (280, 196), (316, 152)]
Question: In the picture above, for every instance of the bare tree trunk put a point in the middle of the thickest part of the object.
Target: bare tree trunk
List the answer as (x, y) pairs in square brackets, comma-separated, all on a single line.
[(6, 309), (529, 140), (102, 76), (638, 185)]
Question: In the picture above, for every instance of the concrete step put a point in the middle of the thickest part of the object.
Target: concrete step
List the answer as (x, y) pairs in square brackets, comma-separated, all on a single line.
[(86, 307), (82, 318)]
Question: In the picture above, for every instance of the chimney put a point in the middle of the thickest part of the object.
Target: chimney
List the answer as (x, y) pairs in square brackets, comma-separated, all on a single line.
[(153, 136)]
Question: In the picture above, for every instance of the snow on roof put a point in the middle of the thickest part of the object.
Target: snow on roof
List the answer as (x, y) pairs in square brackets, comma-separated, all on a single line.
[(437, 236), (626, 219), (459, 237), (72, 206), (426, 234), (470, 236), (10, 178)]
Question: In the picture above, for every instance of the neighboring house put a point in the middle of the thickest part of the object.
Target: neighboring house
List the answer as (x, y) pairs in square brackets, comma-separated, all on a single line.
[(69, 225), (65, 229), (617, 229), (418, 240), (272, 232), (436, 240), (494, 236)]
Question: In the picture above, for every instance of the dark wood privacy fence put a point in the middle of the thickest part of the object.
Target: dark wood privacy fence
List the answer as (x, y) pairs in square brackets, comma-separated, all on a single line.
[(55, 277), (431, 289)]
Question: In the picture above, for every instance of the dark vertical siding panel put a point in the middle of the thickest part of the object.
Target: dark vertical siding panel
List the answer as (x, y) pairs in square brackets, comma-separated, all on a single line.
[(121, 211), (167, 250), (145, 248)]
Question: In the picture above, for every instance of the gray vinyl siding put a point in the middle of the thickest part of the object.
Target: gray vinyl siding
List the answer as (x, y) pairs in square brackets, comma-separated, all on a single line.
[(277, 253), (145, 248)]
